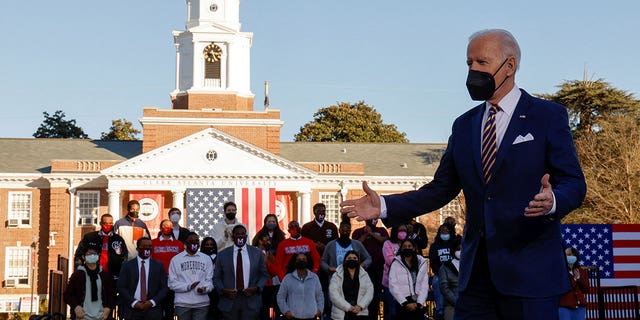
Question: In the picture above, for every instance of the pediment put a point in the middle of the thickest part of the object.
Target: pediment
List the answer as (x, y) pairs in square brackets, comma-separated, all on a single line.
[(209, 152)]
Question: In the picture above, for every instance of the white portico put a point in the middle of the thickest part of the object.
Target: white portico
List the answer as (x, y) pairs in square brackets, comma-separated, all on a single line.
[(210, 159)]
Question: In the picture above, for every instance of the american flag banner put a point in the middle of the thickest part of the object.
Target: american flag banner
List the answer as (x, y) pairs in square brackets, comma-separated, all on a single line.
[(204, 207), (613, 248)]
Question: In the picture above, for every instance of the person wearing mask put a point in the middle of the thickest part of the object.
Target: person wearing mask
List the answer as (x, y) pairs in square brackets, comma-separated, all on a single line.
[(296, 243), (179, 232), (209, 248), (269, 301), (448, 281), (513, 156), (334, 254), (451, 223), (130, 228), (300, 295), (373, 237), (418, 234), (409, 281), (440, 251), (113, 248), (142, 285), (271, 228), (239, 276), (222, 230), (389, 251), (190, 277), (90, 293), (350, 290), (165, 247), (573, 303), (320, 230)]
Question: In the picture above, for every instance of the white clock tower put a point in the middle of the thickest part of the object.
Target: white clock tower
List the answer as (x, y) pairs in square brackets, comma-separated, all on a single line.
[(213, 58)]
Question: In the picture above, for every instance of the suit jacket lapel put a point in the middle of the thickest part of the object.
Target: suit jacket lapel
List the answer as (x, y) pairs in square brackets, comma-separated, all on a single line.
[(476, 138), (515, 125)]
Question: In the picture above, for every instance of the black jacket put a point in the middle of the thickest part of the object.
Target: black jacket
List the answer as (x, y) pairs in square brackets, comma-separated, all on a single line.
[(117, 253)]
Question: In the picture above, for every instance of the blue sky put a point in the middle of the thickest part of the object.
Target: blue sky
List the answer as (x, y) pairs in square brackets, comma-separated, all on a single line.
[(99, 61)]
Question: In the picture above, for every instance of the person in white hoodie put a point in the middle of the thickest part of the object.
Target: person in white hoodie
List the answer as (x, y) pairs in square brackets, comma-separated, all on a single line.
[(190, 274), (350, 290), (409, 281)]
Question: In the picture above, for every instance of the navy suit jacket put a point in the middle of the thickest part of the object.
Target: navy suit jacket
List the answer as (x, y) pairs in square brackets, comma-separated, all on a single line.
[(128, 282), (224, 276), (525, 255)]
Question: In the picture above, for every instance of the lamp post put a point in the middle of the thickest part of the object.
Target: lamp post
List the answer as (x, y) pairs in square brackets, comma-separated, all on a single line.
[(34, 249)]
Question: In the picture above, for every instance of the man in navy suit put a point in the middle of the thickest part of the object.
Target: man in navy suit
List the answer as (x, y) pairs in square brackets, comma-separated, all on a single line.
[(140, 297), (239, 276), (514, 159)]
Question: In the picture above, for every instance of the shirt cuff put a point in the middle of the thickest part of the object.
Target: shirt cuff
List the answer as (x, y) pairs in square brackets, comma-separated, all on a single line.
[(553, 208), (383, 208), (153, 303), (134, 303)]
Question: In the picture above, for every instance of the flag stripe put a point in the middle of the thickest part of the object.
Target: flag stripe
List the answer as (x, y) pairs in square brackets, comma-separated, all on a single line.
[(272, 200), (626, 243), (245, 206), (623, 228), (626, 259), (259, 209), (626, 251), (627, 274)]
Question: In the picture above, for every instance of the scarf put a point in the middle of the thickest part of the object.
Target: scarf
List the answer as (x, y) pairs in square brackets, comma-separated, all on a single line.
[(93, 277)]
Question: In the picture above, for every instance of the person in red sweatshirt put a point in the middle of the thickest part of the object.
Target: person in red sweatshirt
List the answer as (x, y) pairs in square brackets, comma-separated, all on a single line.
[(164, 248), (295, 244)]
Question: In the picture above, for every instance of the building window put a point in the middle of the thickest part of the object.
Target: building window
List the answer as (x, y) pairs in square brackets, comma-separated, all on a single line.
[(19, 209), (88, 207), (332, 201), (17, 265)]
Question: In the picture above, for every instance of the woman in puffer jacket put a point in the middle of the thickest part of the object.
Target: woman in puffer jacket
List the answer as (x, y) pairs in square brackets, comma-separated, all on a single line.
[(409, 282), (350, 289)]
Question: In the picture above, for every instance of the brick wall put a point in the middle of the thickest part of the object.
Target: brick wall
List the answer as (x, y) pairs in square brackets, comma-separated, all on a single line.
[(225, 101)]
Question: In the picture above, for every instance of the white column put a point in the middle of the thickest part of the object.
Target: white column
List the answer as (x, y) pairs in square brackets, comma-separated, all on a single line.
[(72, 224), (177, 67), (178, 200), (114, 203), (305, 214)]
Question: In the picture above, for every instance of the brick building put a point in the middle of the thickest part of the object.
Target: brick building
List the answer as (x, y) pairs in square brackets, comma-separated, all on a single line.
[(52, 191)]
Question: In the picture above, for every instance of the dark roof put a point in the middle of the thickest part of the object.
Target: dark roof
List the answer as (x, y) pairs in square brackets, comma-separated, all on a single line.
[(35, 155), (379, 159)]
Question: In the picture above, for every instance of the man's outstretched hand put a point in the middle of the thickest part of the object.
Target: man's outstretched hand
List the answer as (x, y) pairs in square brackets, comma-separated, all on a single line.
[(542, 202), (365, 208)]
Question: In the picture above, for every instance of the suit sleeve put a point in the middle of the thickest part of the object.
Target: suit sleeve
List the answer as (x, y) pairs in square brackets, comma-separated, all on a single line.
[(218, 284), (164, 289), (124, 280), (263, 275), (444, 187), (567, 179)]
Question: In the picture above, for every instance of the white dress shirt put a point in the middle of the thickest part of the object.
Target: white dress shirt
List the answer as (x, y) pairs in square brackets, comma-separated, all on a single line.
[(245, 263)]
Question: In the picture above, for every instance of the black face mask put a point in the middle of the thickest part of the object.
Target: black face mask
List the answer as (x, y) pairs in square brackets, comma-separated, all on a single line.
[(407, 252), (301, 264), (351, 264), (482, 85), (208, 250), (230, 216), (134, 214)]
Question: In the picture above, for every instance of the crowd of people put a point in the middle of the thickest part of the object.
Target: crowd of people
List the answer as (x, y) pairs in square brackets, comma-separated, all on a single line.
[(319, 271)]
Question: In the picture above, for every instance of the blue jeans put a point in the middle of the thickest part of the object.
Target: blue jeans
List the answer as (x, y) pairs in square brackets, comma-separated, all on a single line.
[(437, 296), (572, 314)]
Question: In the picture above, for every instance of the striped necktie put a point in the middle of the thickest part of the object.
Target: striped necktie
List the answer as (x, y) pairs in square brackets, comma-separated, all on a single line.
[(489, 147)]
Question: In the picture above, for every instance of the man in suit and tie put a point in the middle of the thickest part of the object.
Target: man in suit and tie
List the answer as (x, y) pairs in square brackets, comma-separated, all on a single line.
[(239, 276), (514, 159), (142, 285)]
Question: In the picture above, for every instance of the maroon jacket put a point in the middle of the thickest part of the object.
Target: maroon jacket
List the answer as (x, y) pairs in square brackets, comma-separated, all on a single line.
[(575, 298), (75, 291)]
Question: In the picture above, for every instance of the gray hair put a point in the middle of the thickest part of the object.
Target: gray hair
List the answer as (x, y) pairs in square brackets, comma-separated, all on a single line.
[(508, 42)]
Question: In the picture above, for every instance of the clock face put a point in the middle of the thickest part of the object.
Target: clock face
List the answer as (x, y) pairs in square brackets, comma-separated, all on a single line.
[(212, 53), (213, 7)]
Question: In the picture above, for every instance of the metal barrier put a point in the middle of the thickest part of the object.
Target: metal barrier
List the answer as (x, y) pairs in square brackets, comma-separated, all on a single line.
[(593, 310)]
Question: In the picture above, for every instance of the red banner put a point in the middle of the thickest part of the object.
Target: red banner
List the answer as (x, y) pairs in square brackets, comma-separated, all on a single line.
[(284, 209), (151, 209)]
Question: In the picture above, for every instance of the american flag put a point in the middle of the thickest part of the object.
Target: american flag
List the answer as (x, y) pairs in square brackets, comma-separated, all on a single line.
[(205, 207), (613, 248)]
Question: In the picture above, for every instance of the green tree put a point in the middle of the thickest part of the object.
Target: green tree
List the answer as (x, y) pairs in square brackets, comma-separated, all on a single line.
[(121, 129), (589, 102), (348, 122), (55, 126)]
